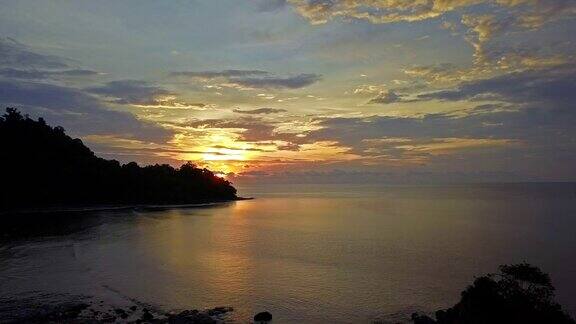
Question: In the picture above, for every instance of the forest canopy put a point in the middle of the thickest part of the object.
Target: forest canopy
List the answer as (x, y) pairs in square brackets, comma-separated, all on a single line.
[(42, 166)]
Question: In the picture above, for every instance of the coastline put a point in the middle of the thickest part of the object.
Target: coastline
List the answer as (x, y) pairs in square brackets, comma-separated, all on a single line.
[(92, 310), (96, 208)]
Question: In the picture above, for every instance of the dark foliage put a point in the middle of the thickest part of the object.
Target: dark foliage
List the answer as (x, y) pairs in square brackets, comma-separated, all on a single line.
[(42, 166), (519, 293), (263, 317)]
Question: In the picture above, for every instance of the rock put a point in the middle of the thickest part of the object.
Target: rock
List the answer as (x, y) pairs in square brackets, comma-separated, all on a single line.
[(218, 311), (263, 317), (108, 318), (146, 316), (422, 319), (188, 313), (122, 313), (191, 317)]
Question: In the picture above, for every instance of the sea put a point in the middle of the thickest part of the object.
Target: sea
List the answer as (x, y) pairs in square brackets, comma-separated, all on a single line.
[(306, 253)]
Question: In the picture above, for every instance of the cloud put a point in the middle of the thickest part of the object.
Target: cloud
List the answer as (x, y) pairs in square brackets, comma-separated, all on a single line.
[(444, 72), (533, 116), (540, 12), (532, 13), (44, 74), (76, 73), (489, 141), (501, 62), (523, 116), (368, 89), (142, 93), (248, 129), (18, 61), (386, 97), (15, 54), (485, 26), (539, 83), (289, 147), (375, 11), (130, 91), (26, 83), (218, 74), (252, 79), (250, 149), (553, 88), (78, 112), (482, 29), (259, 111), (290, 82), (506, 16)]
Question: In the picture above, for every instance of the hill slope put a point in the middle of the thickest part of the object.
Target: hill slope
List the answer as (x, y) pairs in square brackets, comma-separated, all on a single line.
[(42, 166)]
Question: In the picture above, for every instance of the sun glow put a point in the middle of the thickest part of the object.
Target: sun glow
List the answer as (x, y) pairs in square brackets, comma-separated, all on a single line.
[(220, 175), (224, 154), (225, 160)]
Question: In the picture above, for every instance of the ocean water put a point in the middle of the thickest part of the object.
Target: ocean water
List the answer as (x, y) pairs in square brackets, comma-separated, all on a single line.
[(306, 253)]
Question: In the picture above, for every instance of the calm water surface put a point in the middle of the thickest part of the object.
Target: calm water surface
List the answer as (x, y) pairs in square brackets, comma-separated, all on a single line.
[(312, 253)]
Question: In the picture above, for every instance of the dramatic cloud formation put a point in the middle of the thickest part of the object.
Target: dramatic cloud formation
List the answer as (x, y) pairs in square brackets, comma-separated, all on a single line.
[(249, 129), (517, 15), (379, 90), (482, 29), (533, 13), (375, 11)]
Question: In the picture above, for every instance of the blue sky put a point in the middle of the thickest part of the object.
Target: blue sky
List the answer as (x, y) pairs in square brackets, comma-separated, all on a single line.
[(449, 89)]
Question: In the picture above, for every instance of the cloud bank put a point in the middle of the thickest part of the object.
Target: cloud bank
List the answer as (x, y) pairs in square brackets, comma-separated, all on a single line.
[(252, 79)]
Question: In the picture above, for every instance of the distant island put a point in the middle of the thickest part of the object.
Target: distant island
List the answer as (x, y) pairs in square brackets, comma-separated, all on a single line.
[(41, 166)]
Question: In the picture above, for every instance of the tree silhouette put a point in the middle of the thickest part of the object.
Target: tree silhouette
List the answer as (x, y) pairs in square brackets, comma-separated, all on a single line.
[(42, 166), (519, 293)]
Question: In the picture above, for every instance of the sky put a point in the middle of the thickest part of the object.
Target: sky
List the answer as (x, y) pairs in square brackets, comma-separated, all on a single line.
[(305, 90)]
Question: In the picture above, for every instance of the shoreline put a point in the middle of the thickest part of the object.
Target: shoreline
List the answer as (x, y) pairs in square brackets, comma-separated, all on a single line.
[(90, 310), (96, 208)]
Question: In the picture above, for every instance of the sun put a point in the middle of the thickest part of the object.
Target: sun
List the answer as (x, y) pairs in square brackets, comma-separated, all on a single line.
[(224, 154), (220, 175)]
